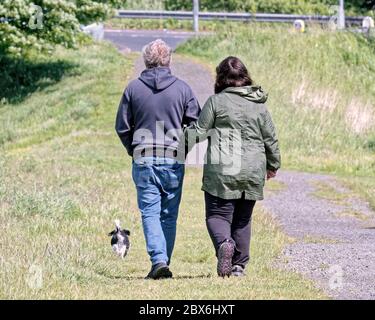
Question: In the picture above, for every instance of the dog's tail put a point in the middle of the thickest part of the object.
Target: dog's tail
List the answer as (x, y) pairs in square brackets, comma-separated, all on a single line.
[(117, 223)]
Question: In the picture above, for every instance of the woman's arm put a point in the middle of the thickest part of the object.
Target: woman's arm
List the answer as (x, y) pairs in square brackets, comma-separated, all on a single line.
[(271, 143), (199, 131), (192, 109)]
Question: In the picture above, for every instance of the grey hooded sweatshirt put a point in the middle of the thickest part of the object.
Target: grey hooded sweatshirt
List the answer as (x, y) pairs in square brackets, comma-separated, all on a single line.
[(153, 110)]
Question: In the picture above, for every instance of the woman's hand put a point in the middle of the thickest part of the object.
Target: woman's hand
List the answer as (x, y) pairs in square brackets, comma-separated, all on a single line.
[(271, 174)]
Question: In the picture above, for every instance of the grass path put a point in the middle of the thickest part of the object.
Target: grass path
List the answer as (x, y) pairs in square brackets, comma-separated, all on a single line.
[(64, 178)]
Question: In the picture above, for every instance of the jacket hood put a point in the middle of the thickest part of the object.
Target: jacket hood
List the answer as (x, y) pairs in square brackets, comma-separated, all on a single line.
[(251, 93), (158, 78)]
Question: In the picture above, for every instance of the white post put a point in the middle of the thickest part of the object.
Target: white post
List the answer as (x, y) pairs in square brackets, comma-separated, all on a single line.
[(341, 20), (196, 15)]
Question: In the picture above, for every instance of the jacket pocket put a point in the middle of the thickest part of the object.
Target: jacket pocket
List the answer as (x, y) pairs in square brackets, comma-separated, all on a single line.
[(172, 176), (256, 167)]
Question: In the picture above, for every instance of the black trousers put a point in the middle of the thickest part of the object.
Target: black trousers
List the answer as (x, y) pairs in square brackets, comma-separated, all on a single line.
[(230, 220)]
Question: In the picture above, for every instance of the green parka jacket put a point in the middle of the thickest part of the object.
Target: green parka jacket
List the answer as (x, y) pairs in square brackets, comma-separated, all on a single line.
[(242, 143)]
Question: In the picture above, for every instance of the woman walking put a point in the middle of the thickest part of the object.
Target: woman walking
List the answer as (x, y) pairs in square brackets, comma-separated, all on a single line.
[(242, 151)]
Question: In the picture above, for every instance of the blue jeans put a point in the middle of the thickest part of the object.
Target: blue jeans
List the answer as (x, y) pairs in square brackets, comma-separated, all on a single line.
[(159, 188)]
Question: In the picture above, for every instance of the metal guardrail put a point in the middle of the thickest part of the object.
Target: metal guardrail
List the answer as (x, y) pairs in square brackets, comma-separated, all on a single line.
[(229, 16)]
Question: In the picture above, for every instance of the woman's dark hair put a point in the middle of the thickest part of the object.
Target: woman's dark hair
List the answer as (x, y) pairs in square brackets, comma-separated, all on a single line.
[(231, 72)]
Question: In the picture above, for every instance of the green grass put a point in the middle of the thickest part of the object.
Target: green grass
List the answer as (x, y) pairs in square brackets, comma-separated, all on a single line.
[(327, 191), (275, 186), (161, 24), (322, 94), (143, 5), (352, 214), (272, 6), (64, 178), (341, 197), (364, 186), (319, 240)]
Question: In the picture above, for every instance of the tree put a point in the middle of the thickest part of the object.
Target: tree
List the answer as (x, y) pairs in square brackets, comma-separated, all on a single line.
[(41, 24), (272, 6), (363, 4)]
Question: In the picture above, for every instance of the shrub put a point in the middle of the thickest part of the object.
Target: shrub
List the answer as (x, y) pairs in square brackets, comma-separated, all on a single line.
[(60, 23), (271, 6)]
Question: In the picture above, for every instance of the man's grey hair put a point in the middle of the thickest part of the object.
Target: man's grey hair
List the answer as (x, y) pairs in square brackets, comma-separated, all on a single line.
[(157, 54)]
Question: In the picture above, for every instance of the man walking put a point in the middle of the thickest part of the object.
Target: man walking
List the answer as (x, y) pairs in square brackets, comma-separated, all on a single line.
[(153, 110)]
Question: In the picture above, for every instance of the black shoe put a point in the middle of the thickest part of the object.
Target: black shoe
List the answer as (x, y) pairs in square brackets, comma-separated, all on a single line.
[(224, 259), (238, 271), (159, 271)]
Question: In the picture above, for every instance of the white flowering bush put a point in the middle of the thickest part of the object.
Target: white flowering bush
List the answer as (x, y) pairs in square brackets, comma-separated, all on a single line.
[(41, 24)]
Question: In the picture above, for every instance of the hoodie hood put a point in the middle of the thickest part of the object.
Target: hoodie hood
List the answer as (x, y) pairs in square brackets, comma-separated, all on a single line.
[(251, 93), (158, 78)]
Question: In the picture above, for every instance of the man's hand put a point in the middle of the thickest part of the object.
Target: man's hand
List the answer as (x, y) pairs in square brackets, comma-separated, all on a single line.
[(271, 174)]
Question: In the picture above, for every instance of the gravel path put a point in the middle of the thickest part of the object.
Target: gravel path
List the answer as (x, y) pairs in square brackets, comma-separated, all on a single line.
[(334, 242), (134, 40)]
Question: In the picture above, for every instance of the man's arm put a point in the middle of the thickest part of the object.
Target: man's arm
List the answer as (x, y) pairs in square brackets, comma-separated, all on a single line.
[(192, 109), (124, 122), (201, 129), (206, 119), (271, 143)]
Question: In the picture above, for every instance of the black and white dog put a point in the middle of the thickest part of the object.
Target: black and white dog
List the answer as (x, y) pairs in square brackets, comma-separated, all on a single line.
[(120, 240)]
